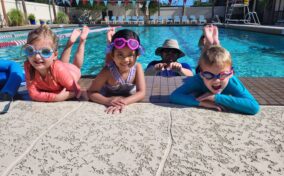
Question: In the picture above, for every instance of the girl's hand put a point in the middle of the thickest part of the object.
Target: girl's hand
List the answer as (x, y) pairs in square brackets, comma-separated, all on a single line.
[(160, 66), (175, 66), (208, 96), (64, 95), (210, 105), (114, 109), (117, 101)]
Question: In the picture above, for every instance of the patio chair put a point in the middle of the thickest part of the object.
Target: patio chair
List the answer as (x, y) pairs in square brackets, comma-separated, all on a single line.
[(192, 19), (184, 20), (105, 20), (134, 20), (152, 20), (177, 19), (169, 19), (202, 19), (141, 20), (120, 20), (113, 20), (160, 20), (128, 19)]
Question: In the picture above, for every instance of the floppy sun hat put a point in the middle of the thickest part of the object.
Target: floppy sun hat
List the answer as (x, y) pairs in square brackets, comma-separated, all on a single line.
[(169, 44)]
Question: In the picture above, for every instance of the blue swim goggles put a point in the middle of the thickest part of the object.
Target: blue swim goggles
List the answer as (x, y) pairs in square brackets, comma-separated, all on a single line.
[(43, 52)]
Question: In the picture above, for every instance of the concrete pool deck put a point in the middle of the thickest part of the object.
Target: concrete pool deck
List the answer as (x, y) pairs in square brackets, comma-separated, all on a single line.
[(78, 138)]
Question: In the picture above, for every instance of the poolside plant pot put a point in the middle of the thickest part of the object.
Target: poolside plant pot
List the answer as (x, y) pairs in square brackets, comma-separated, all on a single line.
[(33, 22), (41, 22)]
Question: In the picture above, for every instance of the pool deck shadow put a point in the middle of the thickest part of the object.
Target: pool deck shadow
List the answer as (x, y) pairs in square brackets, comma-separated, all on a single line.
[(267, 91)]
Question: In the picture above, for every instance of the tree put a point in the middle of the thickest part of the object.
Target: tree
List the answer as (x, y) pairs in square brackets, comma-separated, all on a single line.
[(4, 12), (25, 11)]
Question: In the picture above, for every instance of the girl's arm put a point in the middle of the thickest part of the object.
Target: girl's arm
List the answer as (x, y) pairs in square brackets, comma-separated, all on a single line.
[(97, 84), (184, 95), (239, 98), (65, 78), (140, 86)]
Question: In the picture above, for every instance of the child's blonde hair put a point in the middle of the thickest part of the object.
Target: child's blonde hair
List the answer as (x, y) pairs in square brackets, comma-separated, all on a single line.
[(43, 32), (215, 55)]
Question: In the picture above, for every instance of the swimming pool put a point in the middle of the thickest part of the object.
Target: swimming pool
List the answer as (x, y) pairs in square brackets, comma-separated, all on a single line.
[(254, 54)]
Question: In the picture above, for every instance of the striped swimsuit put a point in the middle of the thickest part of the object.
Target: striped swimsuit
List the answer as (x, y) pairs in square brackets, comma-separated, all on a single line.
[(123, 88)]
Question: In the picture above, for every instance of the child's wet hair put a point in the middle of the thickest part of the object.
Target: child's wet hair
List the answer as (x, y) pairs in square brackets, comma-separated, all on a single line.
[(215, 55), (43, 32), (126, 34)]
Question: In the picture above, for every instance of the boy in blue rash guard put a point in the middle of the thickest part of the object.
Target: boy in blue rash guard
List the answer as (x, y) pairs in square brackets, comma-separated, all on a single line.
[(215, 86)]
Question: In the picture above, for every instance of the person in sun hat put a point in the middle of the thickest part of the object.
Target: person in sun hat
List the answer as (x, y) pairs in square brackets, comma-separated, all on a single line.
[(169, 66)]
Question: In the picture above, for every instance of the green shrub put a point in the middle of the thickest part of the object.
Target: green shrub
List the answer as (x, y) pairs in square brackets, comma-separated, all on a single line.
[(31, 17), (61, 18), (15, 17)]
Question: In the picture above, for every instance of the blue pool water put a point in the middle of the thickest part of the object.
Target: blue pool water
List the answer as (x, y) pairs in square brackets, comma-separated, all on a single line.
[(253, 54)]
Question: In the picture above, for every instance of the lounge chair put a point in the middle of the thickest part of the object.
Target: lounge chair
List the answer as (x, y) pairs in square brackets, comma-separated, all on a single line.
[(184, 20), (152, 20), (202, 19), (176, 19), (120, 20), (113, 20), (192, 19), (134, 20), (128, 19), (169, 19), (160, 20), (141, 20)]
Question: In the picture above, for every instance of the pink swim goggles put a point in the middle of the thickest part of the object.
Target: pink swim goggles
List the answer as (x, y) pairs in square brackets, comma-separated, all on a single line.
[(120, 43)]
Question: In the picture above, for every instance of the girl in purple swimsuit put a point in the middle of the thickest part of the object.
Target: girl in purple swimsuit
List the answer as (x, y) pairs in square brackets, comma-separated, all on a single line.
[(121, 81)]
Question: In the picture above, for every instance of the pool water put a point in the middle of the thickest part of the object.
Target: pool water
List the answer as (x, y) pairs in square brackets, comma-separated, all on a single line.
[(253, 54)]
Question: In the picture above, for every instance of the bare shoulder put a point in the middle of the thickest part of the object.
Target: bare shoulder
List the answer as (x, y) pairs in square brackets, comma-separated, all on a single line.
[(138, 66)]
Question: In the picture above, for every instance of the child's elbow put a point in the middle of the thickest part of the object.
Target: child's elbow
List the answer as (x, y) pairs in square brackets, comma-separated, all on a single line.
[(173, 98), (254, 109)]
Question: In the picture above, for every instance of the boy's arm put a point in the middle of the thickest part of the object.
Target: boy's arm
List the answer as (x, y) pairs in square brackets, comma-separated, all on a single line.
[(184, 94), (140, 86), (96, 86), (240, 99)]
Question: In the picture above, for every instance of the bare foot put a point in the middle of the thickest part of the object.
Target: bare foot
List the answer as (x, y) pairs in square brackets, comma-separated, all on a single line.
[(84, 34), (215, 36), (75, 34), (208, 33), (110, 33)]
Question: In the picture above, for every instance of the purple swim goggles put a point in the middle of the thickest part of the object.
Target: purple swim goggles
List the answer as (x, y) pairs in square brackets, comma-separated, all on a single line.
[(119, 43)]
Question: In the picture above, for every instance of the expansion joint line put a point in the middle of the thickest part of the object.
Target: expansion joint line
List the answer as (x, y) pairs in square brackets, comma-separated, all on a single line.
[(169, 146), (28, 150)]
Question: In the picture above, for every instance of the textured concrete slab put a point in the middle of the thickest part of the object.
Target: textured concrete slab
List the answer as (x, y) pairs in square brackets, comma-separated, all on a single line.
[(78, 138)]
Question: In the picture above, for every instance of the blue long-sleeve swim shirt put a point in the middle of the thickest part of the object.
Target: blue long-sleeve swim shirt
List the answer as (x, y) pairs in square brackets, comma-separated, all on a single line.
[(234, 97)]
